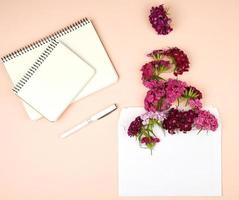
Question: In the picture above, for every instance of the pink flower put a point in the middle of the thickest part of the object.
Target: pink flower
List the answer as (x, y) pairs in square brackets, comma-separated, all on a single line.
[(195, 104), (174, 89), (152, 70), (206, 121), (151, 101), (152, 84), (147, 71)]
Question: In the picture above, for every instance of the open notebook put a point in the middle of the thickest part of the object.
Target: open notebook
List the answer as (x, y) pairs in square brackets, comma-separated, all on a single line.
[(54, 80), (81, 38)]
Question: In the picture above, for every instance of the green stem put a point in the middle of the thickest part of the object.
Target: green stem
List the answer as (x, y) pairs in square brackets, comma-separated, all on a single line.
[(186, 102), (178, 102), (199, 131)]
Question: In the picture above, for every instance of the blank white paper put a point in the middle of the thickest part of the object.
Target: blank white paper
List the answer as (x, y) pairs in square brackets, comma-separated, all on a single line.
[(181, 164)]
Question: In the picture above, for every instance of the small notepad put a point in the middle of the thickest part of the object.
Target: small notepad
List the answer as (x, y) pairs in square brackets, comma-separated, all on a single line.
[(54, 80), (82, 38)]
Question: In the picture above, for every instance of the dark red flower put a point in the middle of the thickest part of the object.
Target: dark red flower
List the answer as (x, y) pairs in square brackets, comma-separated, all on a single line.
[(159, 20), (150, 140), (177, 120), (178, 57), (192, 93), (135, 126)]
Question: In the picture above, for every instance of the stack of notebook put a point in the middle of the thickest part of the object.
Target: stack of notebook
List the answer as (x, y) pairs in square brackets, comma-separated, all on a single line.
[(65, 66)]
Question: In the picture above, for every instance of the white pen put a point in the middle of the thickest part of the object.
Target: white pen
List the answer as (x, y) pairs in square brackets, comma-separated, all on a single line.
[(93, 118)]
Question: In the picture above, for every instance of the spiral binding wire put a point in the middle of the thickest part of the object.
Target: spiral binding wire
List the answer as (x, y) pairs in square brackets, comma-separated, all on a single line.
[(45, 40), (35, 66)]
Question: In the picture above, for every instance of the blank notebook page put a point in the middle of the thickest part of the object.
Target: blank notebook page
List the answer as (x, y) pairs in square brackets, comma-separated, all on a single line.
[(54, 81)]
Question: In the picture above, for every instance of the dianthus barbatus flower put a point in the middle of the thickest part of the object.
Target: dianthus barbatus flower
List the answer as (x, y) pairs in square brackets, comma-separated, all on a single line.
[(135, 126), (174, 89), (159, 20), (153, 84), (151, 101), (195, 104), (149, 140), (179, 120), (152, 70), (206, 121), (159, 116), (192, 93), (178, 57)]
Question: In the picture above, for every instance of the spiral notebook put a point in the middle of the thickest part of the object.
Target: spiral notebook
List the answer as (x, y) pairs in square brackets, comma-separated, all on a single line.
[(82, 39), (53, 81)]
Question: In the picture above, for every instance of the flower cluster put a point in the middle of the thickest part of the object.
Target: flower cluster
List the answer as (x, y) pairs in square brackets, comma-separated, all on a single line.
[(206, 121), (164, 99), (176, 57), (142, 128), (135, 127), (163, 94), (170, 103), (159, 20), (179, 120), (151, 71)]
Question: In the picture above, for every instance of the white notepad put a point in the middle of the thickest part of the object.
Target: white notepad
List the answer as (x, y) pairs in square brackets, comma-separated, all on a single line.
[(80, 37), (54, 80), (181, 164)]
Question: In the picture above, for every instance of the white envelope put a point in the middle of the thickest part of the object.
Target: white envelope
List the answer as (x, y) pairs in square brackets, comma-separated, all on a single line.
[(181, 164)]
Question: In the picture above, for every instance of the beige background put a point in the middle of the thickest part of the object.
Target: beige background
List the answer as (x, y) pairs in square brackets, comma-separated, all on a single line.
[(36, 165)]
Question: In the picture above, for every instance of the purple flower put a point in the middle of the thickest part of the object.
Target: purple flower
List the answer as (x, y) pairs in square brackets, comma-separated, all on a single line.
[(206, 121), (195, 104), (159, 20), (174, 89), (135, 127), (159, 116), (153, 84), (147, 71)]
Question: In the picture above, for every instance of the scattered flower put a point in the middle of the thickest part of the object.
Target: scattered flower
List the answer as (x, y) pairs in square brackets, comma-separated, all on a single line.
[(159, 20)]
